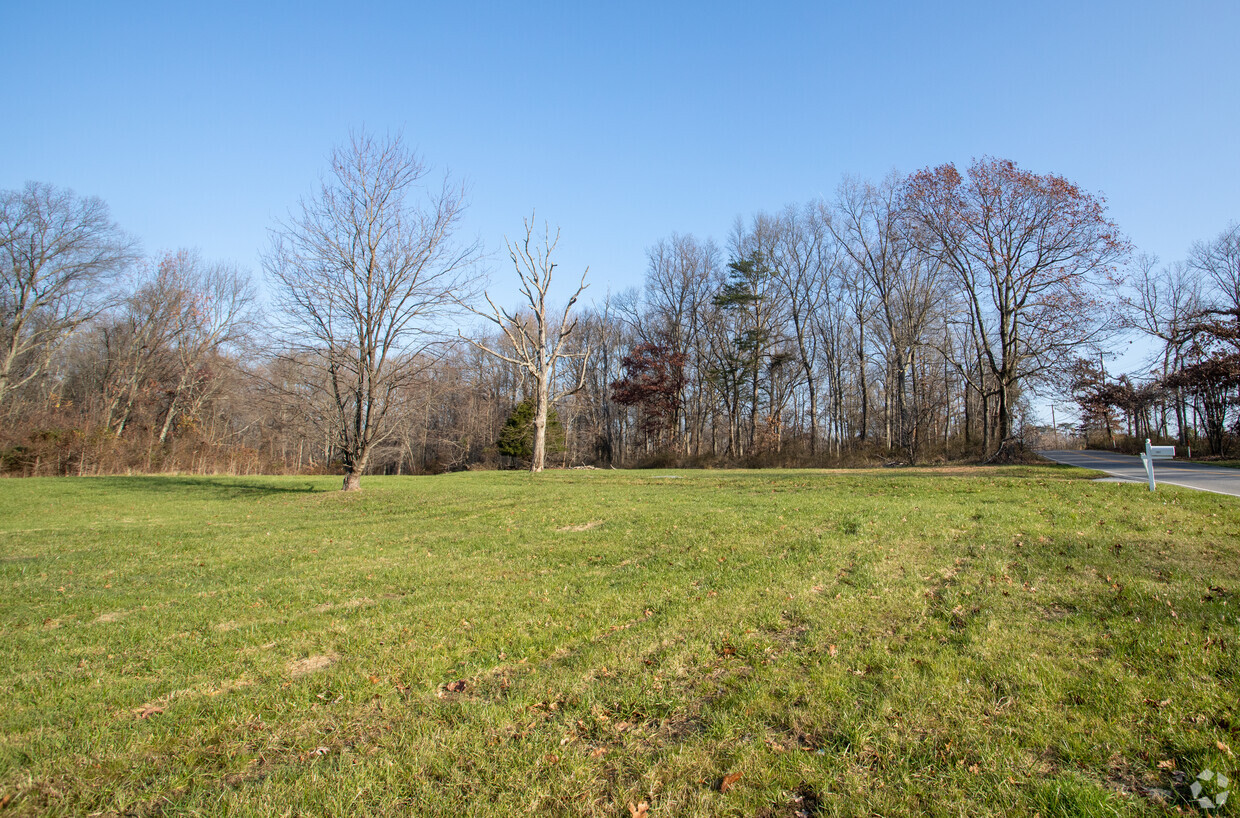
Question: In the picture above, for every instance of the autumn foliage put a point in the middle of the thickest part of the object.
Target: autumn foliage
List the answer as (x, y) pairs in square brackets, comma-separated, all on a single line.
[(654, 376), (1034, 255)]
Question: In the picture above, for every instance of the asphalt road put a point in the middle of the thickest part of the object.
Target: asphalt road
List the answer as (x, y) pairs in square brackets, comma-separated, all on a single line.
[(1127, 467)]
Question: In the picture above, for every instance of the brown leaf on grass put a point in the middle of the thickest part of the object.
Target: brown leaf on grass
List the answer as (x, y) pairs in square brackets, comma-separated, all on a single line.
[(729, 781), (598, 752), (147, 712), (1224, 748), (374, 680), (455, 687), (639, 811), (831, 649), (1168, 764), (4, 802)]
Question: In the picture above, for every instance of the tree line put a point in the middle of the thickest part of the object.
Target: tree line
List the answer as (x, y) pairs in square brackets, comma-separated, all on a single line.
[(1190, 391), (909, 319)]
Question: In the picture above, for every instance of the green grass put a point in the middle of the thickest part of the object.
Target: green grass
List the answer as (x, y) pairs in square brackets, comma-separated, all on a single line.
[(937, 642), (1229, 464)]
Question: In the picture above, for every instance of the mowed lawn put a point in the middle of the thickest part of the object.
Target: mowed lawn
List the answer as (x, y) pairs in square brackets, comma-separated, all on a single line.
[(775, 643)]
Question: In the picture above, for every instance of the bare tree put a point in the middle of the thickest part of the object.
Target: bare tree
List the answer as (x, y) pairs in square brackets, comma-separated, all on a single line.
[(1219, 260), (802, 260), (58, 256), (1164, 303), (1035, 257), (364, 272), (216, 310), (677, 291), (538, 340), (128, 348)]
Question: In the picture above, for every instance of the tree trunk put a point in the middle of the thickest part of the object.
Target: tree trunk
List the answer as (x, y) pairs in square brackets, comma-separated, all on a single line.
[(538, 461), (985, 418), (813, 415), (865, 390), (1004, 421)]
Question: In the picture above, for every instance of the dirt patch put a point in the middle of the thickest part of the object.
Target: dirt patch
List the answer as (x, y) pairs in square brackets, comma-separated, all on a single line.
[(362, 602), (110, 617), (301, 667), (582, 527), (157, 706)]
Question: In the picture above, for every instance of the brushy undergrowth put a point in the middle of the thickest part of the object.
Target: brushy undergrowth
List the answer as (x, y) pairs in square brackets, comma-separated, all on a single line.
[(977, 641)]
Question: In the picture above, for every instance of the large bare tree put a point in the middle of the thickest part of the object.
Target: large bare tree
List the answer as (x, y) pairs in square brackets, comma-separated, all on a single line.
[(538, 341), (364, 271), (1035, 257), (59, 254)]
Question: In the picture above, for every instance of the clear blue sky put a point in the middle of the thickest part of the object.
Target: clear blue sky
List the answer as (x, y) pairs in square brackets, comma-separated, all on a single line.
[(200, 124)]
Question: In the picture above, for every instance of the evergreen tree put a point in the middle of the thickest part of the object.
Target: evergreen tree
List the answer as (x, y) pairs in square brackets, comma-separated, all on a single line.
[(516, 439)]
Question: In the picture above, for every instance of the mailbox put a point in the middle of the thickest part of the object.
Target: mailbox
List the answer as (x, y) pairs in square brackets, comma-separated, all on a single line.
[(1153, 453)]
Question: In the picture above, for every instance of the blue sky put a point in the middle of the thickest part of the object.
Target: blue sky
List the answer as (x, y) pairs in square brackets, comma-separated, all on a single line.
[(201, 124)]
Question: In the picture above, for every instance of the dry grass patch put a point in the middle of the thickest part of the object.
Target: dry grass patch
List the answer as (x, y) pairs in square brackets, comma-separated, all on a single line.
[(582, 527), (311, 664)]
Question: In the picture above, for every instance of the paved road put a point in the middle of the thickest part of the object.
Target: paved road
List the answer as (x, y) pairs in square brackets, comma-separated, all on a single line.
[(1127, 467)]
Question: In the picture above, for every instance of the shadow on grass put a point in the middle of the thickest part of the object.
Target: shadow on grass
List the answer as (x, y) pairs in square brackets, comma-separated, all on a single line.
[(216, 487)]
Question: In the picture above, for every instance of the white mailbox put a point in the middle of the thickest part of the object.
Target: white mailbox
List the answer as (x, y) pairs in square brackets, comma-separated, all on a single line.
[(1153, 453)]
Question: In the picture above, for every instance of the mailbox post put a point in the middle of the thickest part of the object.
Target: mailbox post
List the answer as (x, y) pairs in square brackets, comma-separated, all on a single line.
[(1153, 453)]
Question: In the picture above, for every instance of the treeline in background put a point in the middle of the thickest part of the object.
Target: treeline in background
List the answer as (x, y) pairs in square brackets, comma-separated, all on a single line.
[(909, 320)]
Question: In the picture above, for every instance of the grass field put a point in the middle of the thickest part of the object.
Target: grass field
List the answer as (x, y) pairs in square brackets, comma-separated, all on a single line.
[(774, 643)]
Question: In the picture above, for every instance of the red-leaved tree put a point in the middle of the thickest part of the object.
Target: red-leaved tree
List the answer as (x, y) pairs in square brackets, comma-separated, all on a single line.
[(653, 378), (1034, 256)]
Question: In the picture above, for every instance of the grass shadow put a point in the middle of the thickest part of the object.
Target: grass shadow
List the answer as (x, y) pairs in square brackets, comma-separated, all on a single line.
[(224, 488)]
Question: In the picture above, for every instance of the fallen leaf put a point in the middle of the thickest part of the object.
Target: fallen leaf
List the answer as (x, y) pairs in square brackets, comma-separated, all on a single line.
[(455, 687), (147, 712), (598, 752), (729, 781), (1169, 764), (832, 650), (1224, 748), (639, 811)]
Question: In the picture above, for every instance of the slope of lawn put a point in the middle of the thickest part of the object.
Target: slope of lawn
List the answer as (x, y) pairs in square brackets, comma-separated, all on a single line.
[(777, 643)]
